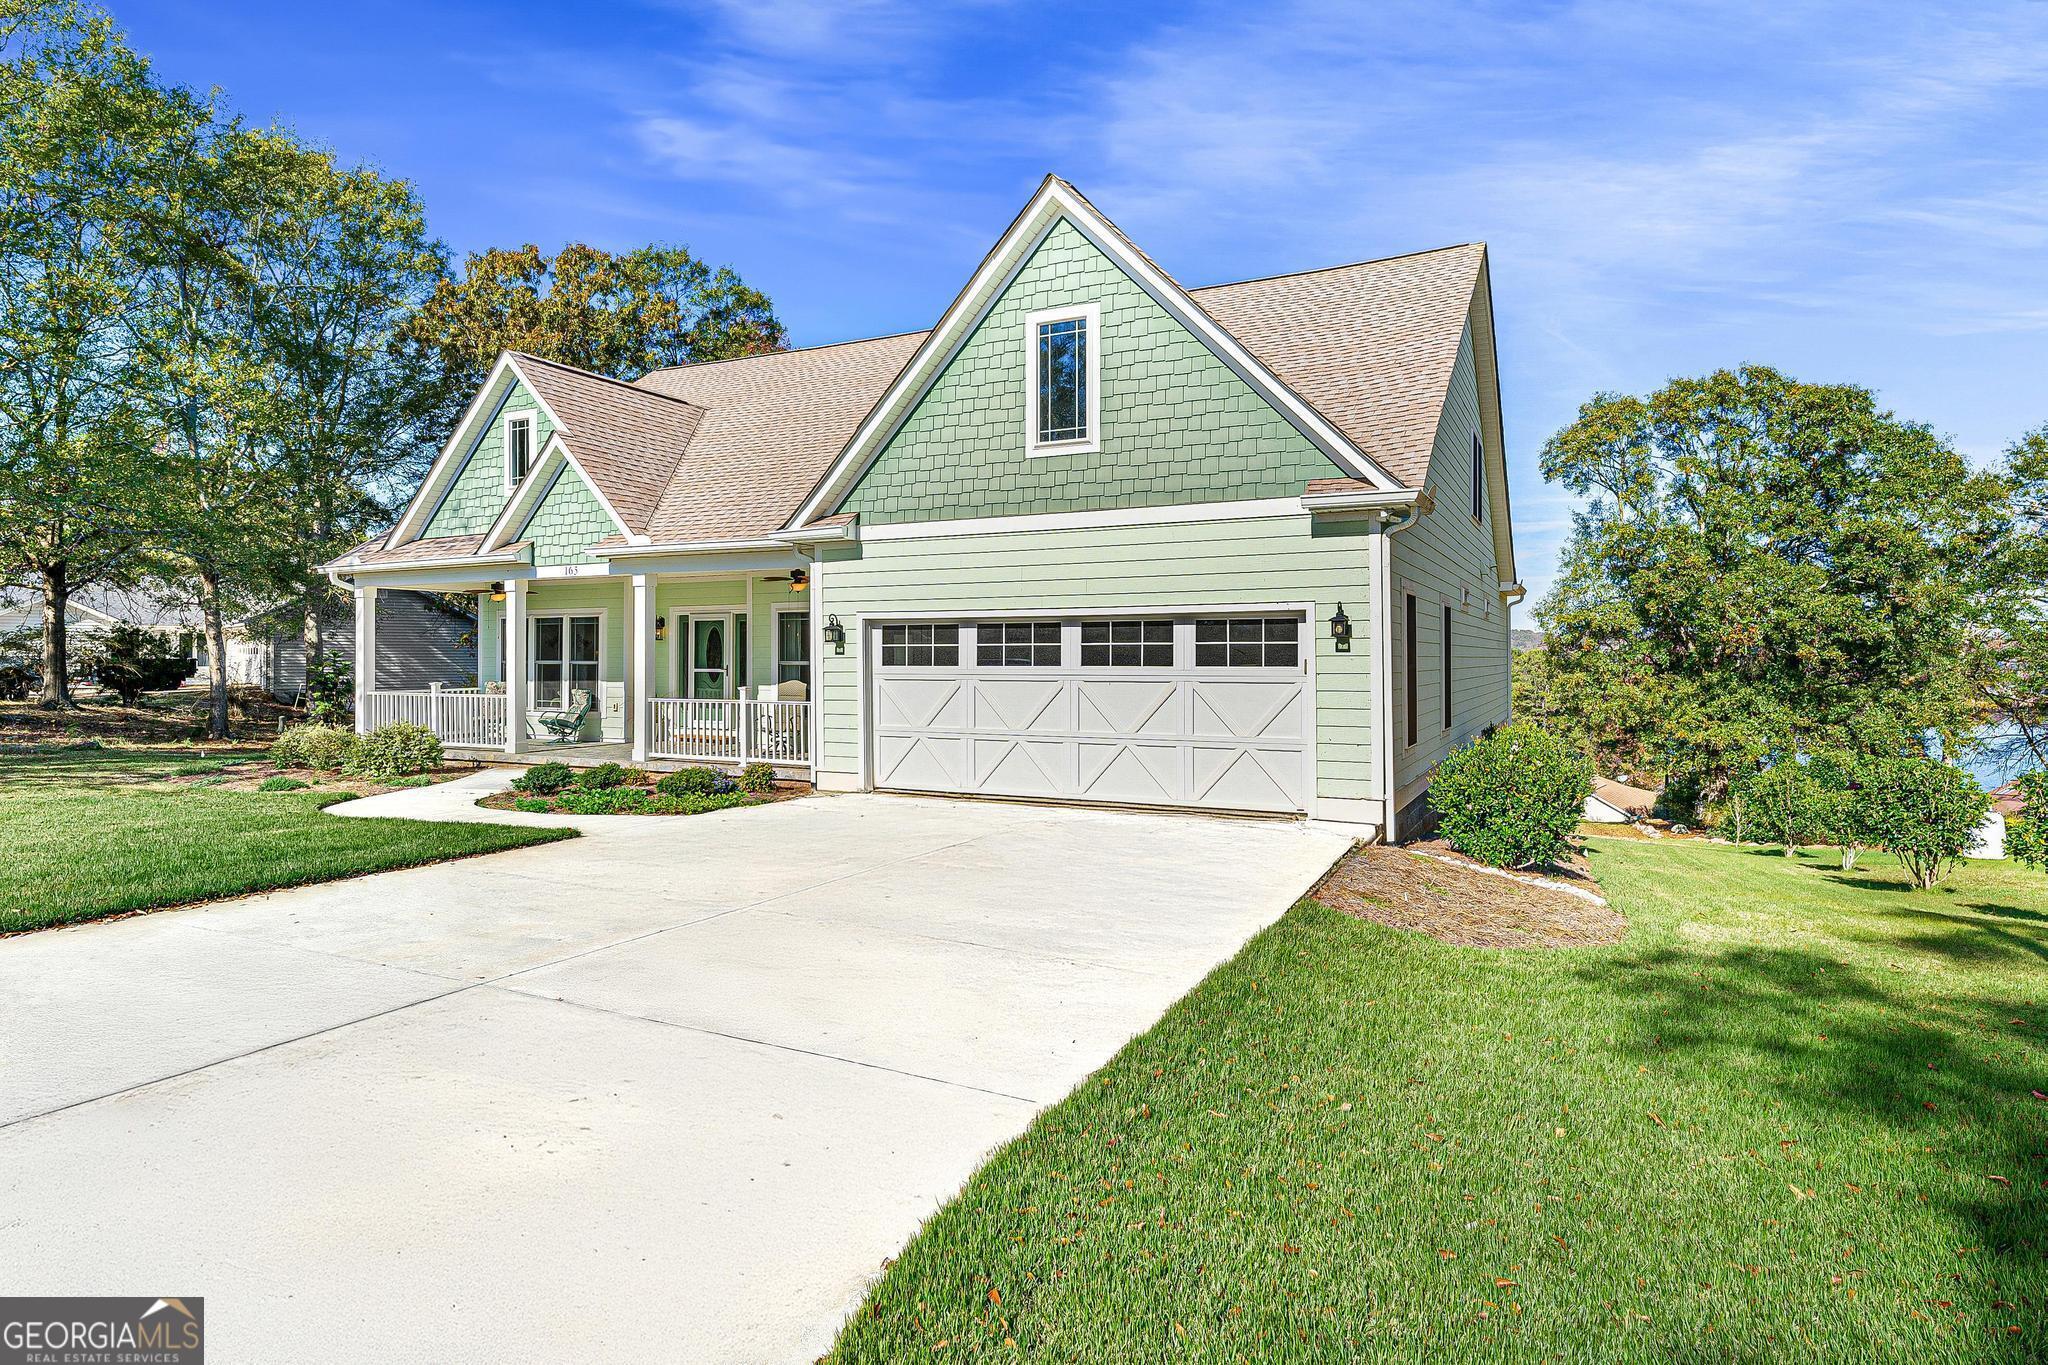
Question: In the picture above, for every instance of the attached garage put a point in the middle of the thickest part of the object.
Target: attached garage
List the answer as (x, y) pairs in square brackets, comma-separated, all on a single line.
[(1209, 710)]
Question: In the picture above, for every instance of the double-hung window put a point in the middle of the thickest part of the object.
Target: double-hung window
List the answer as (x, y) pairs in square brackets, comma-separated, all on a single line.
[(793, 646), (518, 447), (1478, 479), (565, 652), (1062, 372)]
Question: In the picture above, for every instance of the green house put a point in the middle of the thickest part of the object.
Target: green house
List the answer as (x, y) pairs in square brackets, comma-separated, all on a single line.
[(1093, 537)]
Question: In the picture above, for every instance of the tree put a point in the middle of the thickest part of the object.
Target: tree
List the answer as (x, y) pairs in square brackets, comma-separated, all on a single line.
[(1780, 800), (2012, 680), (131, 661), (1769, 559), (1832, 801), (85, 135), (1922, 811), (620, 315), (2026, 834)]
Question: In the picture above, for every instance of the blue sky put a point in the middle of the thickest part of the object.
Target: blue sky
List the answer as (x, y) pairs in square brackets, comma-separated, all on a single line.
[(1851, 192)]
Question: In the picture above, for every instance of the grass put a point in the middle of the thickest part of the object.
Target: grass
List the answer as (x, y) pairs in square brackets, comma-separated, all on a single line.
[(89, 833), (1765, 1124)]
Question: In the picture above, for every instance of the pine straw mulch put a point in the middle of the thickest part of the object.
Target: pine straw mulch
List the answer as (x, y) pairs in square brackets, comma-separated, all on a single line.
[(248, 775), (1462, 905), (162, 718)]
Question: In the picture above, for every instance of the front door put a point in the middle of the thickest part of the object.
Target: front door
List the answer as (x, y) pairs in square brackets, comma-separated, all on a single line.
[(710, 657)]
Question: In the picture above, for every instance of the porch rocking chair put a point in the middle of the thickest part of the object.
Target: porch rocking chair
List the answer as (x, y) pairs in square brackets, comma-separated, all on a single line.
[(565, 723)]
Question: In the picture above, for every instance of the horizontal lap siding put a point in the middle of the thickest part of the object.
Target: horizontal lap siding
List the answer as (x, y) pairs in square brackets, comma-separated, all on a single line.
[(1175, 568), (1440, 558)]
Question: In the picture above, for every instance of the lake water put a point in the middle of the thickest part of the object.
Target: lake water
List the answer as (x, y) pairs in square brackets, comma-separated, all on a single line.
[(1993, 770)]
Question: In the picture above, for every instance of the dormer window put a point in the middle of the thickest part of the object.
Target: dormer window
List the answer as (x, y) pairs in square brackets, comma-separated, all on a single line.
[(518, 447), (1062, 366)]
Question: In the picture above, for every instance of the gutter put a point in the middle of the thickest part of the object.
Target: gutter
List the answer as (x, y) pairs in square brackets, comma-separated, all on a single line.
[(812, 535), (693, 547), (1373, 500)]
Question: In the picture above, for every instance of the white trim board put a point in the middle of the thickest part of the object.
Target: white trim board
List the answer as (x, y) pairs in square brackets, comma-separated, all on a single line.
[(1172, 514), (1055, 201)]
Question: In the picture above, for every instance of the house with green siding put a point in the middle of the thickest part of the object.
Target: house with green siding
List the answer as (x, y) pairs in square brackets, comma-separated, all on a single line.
[(1094, 537)]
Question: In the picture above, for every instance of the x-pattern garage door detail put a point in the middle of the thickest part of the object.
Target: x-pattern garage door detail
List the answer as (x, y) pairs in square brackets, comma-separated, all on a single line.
[(1229, 739)]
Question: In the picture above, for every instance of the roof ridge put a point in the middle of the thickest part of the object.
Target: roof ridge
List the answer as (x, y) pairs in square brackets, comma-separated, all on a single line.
[(787, 350), (627, 384), (1342, 265)]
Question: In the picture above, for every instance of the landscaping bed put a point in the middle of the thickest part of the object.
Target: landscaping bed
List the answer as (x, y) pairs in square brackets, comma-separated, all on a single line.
[(1454, 901), (159, 718), (613, 789)]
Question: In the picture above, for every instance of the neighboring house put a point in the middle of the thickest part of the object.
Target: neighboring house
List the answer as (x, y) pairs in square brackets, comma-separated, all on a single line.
[(1093, 537), (424, 641), (1617, 803)]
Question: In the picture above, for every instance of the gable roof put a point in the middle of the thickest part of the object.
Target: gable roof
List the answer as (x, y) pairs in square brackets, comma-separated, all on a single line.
[(738, 449)]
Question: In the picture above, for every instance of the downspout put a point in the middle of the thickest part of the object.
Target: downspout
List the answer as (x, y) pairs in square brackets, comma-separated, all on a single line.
[(1385, 527)]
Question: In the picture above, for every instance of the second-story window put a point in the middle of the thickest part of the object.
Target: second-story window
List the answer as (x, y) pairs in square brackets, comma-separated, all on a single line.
[(518, 446), (1063, 368)]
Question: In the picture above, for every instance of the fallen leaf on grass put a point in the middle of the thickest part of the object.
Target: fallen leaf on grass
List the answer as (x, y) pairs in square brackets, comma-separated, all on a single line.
[(2000, 1179)]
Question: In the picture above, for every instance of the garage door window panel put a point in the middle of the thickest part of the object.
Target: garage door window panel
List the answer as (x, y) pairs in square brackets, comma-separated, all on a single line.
[(1248, 642), (1127, 644), (1018, 644), (928, 645)]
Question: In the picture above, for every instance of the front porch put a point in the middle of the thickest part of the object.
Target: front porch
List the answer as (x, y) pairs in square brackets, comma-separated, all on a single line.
[(657, 670)]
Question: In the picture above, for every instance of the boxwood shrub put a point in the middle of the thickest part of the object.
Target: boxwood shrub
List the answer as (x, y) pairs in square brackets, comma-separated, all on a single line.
[(695, 782), (757, 778), (603, 777), (328, 748), (399, 749), (1513, 798), (544, 779)]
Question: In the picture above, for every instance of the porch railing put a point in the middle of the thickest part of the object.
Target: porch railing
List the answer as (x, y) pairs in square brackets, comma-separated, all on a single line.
[(731, 731), (466, 716)]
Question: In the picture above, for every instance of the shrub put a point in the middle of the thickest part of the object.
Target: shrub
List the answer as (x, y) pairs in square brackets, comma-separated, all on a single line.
[(281, 784), (1920, 810), (534, 805), (757, 778), (1833, 803), (603, 777), (695, 782), (130, 661), (1513, 798), (328, 748), (330, 689), (544, 779), (1782, 803), (602, 801), (2026, 834), (399, 749)]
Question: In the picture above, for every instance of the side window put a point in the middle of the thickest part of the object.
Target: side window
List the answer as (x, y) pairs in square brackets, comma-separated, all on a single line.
[(1127, 644), (921, 646), (1017, 644), (1444, 648), (1478, 479), (1062, 367), (1248, 642), (1409, 633), (518, 447)]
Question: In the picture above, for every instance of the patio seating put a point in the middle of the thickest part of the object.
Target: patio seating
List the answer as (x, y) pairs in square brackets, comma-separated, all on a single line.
[(564, 724)]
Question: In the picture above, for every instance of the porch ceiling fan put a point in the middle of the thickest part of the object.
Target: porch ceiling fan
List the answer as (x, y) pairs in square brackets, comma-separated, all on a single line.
[(799, 580)]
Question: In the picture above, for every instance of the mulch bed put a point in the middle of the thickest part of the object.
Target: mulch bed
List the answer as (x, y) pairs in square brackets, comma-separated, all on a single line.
[(164, 717), (248, 776), (1462, 905), (781, 791)]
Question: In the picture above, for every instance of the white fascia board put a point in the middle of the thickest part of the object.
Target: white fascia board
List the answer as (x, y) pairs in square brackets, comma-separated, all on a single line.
[(1375, 500), (812, 535), (1051, 203), (693, 547), (428, 495)]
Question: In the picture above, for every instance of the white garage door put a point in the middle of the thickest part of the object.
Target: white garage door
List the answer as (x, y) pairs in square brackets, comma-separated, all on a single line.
[(1199, 710)]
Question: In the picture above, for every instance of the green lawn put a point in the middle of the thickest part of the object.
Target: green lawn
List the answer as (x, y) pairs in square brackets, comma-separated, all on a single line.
[(1764, 1126), (92, 832)]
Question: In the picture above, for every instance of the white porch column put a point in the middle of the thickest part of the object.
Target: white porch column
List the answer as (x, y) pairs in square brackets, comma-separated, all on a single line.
[(366, 654), (515, 665), (640, 640)]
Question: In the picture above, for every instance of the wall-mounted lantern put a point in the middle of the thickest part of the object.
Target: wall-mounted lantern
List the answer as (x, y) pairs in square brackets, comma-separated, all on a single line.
[(660, 628), (1340, 630), (835, 635)]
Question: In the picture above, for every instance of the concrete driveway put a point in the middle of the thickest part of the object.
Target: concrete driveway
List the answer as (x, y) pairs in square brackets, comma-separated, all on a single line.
[(670, 1091)]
